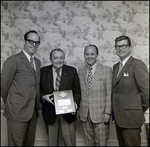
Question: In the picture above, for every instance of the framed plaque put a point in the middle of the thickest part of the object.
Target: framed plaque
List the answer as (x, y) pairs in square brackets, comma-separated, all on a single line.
[(64, 102)]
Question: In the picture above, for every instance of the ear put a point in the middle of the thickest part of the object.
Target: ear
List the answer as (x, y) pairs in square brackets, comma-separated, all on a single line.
[(131, 48)]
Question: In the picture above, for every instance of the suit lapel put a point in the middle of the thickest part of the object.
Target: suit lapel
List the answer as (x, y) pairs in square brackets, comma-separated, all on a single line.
[(85, 76), (37, 73), (115, 71), (83, 80), (49, 78), (37, 67), (124, 69), (63, 77), (96, 76), (26, 62)]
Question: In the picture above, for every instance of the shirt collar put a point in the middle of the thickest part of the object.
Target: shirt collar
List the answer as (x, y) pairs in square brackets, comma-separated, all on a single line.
[(94, 66), (27, 55), (125, 60), (54, 69)]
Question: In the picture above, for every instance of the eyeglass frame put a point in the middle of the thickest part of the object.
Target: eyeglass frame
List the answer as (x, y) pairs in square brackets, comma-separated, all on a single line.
[(124, 46), (31, 42)]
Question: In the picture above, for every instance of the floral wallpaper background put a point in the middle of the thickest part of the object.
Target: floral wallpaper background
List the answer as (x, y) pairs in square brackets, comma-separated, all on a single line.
[(71, 25)]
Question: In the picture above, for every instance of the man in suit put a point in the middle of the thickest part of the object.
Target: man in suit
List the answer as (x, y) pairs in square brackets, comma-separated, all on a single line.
[(68, 81), (95, 105), (20, 92), (130, 95)]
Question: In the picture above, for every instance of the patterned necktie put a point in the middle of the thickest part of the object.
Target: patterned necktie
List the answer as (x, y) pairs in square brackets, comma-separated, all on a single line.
[(31, 62), (57, 83), (89, 79), (120, 67)]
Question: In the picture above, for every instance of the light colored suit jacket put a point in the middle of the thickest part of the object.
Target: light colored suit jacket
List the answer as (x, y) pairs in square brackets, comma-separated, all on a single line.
[(130, 95), (99, 101), (20, 87)]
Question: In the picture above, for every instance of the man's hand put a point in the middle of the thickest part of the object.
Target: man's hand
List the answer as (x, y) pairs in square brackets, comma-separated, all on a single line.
[(107, 118), (76, 106), (2, 103), (49, 98)]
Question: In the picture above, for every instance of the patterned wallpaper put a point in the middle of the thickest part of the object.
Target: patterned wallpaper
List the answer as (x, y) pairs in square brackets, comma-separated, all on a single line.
[(71, 25)]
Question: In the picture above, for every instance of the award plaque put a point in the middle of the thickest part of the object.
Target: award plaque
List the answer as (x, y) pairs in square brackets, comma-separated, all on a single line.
[(64, 102)]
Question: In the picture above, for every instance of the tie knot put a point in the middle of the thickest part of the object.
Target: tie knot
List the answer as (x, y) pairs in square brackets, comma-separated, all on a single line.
[(57, 70), (31, 58), (90, 68), (120, 64)]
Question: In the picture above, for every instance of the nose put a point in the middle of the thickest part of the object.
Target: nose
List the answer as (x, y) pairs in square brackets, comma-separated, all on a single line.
[(59, 60), (120, 48), (35, 46), (89, 56)]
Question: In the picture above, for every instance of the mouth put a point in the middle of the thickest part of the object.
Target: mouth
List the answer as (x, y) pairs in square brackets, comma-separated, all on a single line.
[(34, 48), (89, 60), (59, 63), (121, 52)]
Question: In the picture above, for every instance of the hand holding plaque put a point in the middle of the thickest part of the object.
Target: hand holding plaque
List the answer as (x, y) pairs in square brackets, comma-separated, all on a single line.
[(64, 102)]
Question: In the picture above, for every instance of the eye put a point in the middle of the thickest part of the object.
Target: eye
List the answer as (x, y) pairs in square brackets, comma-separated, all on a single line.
[(31, 42), (61, 58), (124, 46), (54, 58), (87, 54), (37, 43)]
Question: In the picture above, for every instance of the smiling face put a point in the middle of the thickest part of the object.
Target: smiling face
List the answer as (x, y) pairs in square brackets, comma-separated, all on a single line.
[(90, 55), (57, 58), (31, 48), (123, 50)]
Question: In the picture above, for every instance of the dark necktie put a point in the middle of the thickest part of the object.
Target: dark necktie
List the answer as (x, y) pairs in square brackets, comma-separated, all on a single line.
[(89, 79), (120, 67), (57, 83), (31, 62)]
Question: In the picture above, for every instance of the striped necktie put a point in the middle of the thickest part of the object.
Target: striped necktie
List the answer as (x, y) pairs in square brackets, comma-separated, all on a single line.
[(120, 67), (89, 79), (57, 83), (31, 62)]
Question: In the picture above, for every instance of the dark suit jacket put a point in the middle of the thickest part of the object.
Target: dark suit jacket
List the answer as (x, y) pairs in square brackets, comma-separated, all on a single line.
[(130, 95), (69, 81), (20, 87)]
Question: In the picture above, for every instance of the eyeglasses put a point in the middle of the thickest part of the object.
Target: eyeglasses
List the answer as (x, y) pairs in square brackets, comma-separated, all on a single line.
[(37, 43), (124, 46)]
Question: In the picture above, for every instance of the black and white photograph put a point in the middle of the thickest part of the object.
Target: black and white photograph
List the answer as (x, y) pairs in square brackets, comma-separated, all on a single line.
[(98, 50)]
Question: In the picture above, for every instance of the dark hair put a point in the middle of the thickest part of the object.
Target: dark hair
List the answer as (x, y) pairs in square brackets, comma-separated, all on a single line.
[(26, 34), (93, 46), (57, 49), (123, 38)]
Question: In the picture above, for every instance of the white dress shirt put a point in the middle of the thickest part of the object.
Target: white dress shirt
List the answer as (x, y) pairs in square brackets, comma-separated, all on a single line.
[(55, 75), (28, 57), (93, 69), (125, 60)]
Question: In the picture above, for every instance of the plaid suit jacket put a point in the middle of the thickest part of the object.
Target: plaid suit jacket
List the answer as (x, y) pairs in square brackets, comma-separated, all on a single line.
[(98, 102)]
